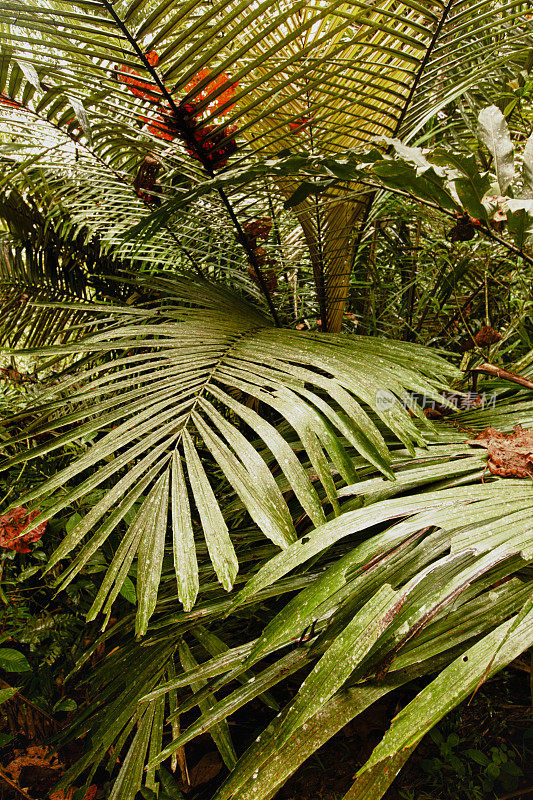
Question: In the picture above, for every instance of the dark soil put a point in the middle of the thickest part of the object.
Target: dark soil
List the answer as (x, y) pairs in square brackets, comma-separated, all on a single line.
[(497, 722)]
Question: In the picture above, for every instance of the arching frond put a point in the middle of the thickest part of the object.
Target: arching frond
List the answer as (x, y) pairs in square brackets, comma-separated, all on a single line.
[(205, 83), (177, 388), (386, 609)]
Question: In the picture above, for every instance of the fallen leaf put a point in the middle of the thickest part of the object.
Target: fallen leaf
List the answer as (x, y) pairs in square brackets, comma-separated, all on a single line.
[(487, 336), (12, 527), (510, 454), (207, 768), (34, 756)]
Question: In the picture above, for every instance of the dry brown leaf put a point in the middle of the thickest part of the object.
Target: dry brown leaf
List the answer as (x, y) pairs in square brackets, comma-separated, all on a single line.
[(34, 756), (510, 454), (207, 768), (487, 336)]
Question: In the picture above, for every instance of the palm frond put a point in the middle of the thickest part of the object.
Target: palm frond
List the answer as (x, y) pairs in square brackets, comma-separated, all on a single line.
[(438, 569), (453, 548), (45, 259), (169, 394), (453, 553)]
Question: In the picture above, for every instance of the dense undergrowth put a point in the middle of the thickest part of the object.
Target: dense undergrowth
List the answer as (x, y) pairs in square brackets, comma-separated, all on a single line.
[(267, 408)]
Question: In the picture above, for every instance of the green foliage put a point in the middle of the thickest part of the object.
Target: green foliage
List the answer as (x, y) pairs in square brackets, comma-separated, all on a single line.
[(12, 660), (246, 502), (499, 766), (160, 410), (450, 181)]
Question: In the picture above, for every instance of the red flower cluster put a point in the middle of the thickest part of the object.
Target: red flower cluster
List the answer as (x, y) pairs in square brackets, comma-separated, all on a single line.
[(141, 88), (12, 525), (209, 144), (210, 89)]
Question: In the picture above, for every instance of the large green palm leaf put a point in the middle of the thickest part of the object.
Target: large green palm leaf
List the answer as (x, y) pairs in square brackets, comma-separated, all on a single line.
[(370, 636), (177, 385), (385, 608), (46, 259), (449, 547)]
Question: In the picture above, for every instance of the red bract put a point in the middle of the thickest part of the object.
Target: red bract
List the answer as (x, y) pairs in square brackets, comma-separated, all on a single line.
[(141, 88), (259, 228), (211, 88), (152, 58), (188, 114), (145, 183), (172, 124), (210, 144), (269, 277), (297, 125), (13, 524), (8, 102), (261, 256), (160, 128), (213, 145)]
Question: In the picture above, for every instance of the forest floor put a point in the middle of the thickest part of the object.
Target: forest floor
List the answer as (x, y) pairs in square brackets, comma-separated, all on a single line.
[(483, 750)]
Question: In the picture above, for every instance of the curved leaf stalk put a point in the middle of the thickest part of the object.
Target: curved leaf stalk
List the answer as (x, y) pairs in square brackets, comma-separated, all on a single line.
[(184, 129)]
